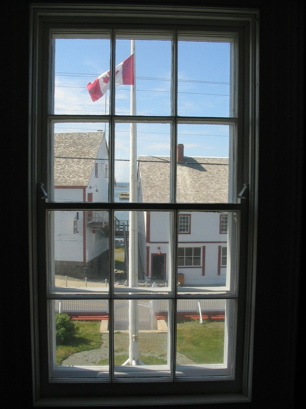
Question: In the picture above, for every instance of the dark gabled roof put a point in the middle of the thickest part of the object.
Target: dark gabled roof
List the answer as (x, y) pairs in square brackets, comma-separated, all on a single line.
[(200, 179), (74, 157)]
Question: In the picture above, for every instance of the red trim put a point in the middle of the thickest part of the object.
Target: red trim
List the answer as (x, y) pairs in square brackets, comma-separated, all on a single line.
[(165, 242), (69, 187), (193, 315), (89, 317), (147, 261), (198, 242), (219, 260), (89, 199), (162, 315), (189, 267), (203, 260), (148, 220)]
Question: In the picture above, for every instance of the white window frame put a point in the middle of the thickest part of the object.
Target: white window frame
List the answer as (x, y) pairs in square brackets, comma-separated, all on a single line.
[(231, 390)]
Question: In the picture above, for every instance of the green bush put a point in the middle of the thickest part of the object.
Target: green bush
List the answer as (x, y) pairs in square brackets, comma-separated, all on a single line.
[(66, 330)]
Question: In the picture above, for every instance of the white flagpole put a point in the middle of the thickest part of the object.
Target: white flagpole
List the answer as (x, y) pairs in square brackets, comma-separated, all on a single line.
[(133, 181), (133, 228)]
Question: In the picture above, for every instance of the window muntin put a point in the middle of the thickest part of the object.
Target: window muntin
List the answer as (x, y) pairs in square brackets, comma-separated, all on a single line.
[(173, 293), (204, 146), (140, 153)]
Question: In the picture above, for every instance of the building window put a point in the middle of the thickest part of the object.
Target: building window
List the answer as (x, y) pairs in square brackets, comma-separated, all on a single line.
[(223, 260), (223, 223), (189, 256), (96, 170), (184, 224), (164, 85)]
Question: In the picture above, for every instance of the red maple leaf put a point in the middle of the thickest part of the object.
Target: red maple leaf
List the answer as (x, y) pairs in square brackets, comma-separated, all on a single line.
[(106, 79)]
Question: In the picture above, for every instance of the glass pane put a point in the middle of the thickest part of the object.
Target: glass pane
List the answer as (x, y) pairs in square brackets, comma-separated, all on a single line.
[(204, 77), (142, 160), (79, 251), (78, 62), (188, 251), (204, 164), (80, 166), (80, 337), (197, 251), (196, 261), (180, 252), (203, 264), (142, 254), (204, 337), (141, 338), (151, 88)]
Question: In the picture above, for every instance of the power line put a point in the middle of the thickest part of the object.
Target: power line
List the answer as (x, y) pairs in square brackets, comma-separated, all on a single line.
[(71, 74), (150, 90)]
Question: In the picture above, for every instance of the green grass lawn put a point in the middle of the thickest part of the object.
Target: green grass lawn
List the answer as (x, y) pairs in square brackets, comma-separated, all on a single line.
[(201, 343), (88, 337), (197, 343)]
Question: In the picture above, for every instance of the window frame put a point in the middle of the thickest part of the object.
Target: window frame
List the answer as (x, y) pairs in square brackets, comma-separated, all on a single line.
[(192, 256), (247, 23), (188, 224), (223, 225)]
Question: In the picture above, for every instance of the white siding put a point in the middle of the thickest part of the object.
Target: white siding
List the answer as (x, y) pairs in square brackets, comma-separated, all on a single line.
[(68, 244), (204, 233)]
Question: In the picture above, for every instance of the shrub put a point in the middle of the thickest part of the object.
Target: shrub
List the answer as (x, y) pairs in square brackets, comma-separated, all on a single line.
[(65, 329)]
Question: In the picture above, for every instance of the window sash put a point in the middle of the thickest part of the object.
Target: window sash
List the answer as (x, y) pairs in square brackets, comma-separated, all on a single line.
[(44, 206)]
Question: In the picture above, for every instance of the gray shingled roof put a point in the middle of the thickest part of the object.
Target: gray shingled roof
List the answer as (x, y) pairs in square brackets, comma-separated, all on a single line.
[(74, 157), (199, 179)]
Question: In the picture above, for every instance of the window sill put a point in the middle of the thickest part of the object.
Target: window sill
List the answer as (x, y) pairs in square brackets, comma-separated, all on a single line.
[(149, 400)]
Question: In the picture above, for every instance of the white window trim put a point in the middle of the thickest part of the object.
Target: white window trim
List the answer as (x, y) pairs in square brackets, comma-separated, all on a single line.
[(251, 19)]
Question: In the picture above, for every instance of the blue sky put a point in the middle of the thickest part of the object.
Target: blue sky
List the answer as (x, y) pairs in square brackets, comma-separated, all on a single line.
[(203, 90)]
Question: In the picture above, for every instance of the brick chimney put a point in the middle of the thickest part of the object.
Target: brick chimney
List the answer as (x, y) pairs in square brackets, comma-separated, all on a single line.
[(180, 153)]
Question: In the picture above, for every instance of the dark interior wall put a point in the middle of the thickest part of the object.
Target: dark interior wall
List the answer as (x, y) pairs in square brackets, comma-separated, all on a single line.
[(280, 202)]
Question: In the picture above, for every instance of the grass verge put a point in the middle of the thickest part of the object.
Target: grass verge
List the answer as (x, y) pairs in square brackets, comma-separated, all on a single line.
[(196, 343)]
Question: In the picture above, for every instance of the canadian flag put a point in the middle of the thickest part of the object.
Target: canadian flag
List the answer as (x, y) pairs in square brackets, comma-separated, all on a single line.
[(124, 74)]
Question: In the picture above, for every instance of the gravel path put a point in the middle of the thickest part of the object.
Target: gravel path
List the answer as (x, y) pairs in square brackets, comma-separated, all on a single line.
[(94, 356)]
